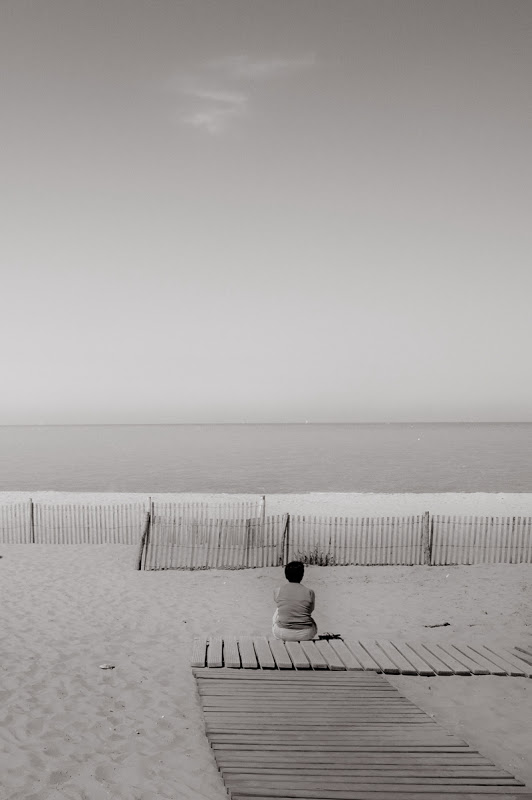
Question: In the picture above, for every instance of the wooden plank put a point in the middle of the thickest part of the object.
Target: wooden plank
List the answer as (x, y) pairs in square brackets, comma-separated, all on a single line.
[(355, 699), (333, 737), (378, 744), (345, 706), (404, 784), (484, 659), (280, 654), (386, 665), (521, 656), (347, 657), (527, 651), (247, 652), (230, 653), (484, 769), (341, 738), (305, 789), (307, 794), (435, 665), (214, 652), (221, 749), (216, 717), (331, 657), (313, 679), (514, 668), (365, 660), (355, 692), (318, 715), (319, 732), (386, 771), (464, 659), (314, 656), (199, 652), (379, 711), (350, 759), (264, 654), (316, 728), (297, 654), (237, 779), (515, 658), (456, 666), (395, 655), (375, 756), (357, 678)]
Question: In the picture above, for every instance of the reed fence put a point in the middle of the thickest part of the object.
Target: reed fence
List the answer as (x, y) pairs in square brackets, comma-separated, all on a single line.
[(119, 523), (239, 535), (216, 543), (366, 540), (481, 540)]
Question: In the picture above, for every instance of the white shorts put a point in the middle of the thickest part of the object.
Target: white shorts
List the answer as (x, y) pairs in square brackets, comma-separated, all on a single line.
[(292, 634)]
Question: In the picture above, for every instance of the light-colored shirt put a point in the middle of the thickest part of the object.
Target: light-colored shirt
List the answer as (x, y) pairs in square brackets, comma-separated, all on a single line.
[(295, 604)]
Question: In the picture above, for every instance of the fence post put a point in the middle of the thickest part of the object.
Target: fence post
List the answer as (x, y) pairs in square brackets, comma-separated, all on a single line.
[(32, 523), (144, 539), (426, 539), (287, 540), (263, 512)]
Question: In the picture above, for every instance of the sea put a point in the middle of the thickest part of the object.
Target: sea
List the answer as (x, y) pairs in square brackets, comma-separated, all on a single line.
[(268, 458)]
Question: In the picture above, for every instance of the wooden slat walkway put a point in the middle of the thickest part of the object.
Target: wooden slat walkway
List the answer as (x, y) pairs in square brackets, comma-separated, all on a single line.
[(333, 735), (392, 658)]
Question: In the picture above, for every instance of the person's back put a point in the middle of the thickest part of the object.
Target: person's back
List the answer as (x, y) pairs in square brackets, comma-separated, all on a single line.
[(295, 602)]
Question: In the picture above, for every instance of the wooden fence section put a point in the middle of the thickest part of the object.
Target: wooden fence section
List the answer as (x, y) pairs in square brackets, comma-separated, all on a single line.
[(481, 540), (366, 540), (88, 524), (74, 523), (16, 523), (179, 543)]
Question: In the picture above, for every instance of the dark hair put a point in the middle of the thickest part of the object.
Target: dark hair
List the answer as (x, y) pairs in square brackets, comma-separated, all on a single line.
[(294, 571)]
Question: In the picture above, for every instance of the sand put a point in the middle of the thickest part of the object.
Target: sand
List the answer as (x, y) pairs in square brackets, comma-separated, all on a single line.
[(72, 731)]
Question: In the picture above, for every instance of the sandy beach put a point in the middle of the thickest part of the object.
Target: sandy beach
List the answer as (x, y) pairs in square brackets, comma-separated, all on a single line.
[(73, 731)]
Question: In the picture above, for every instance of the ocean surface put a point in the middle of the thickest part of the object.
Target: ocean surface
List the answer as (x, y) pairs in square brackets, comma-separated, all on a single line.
[(268, 458)]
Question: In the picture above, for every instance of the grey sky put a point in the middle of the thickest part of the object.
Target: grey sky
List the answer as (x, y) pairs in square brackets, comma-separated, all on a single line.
[(270, 211)]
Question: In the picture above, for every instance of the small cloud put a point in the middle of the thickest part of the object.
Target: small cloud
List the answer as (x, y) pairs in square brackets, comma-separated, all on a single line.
[(229, 99), (213, 120), (247, 68), (214, 108)]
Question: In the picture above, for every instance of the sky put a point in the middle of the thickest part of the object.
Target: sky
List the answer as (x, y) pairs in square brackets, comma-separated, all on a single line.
[(265, 211)]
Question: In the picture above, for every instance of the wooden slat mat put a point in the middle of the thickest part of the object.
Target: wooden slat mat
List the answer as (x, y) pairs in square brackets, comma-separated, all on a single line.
[(333, 735), (396, 657)]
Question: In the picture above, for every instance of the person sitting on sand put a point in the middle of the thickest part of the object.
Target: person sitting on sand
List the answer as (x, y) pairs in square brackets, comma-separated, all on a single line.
[(292, 621)]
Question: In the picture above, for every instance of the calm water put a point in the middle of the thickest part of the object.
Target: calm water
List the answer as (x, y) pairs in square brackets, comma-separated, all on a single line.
[(268, 458)]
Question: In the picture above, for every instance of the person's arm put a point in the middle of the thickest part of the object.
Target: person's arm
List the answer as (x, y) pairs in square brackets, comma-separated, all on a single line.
[(276, 593), (312, 600)]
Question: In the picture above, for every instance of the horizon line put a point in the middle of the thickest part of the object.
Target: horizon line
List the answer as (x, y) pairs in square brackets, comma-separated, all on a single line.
[(298, 422)]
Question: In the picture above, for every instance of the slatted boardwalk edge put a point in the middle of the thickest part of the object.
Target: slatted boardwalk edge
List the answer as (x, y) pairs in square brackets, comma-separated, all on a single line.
[(396, 657), (337, 736)]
